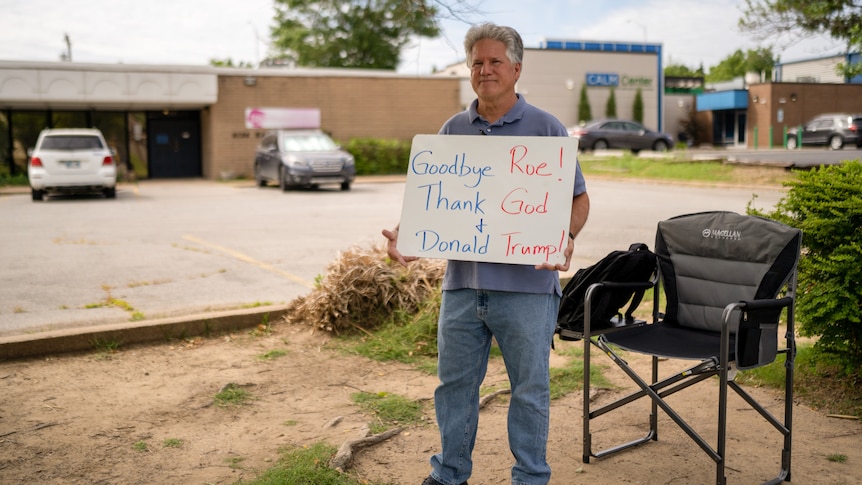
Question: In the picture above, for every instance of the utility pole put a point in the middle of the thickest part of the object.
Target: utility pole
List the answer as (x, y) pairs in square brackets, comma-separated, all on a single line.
[(67, 56)]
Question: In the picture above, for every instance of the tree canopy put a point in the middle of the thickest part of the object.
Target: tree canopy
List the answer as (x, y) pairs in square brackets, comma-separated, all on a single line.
[(681, 70), (840, 19), (760, 60), (352, 33)]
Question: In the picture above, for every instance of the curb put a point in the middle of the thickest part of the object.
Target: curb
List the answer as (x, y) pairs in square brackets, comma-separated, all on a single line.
[(129, 333)]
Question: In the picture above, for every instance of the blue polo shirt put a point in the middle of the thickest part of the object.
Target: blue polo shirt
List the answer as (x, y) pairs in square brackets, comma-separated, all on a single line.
[(522, 120)]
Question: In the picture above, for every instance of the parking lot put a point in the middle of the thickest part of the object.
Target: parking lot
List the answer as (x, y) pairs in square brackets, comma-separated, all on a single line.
[(173, 248)]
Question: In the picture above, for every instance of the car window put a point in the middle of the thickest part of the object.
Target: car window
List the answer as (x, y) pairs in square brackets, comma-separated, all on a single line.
[(613, 125), (71, 142), (307, 143), (268, 142), (632, 127)]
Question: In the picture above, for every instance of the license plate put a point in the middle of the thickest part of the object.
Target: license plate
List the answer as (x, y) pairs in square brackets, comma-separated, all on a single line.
[(71, 163)]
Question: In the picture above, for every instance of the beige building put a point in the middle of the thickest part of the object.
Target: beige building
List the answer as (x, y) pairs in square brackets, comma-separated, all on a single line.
[(187, 121), (553, 75)]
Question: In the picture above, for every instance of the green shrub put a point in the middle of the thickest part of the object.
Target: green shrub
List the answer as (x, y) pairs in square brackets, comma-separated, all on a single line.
[(585, 113), (379, 157), (826, 204), (638, 107), (18, 180)]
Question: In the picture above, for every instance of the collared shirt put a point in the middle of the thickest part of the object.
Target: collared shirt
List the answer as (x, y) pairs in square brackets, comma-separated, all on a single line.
[(522, 120)]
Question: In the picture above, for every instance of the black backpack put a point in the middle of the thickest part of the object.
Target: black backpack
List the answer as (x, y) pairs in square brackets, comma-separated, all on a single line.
[(636, 265)]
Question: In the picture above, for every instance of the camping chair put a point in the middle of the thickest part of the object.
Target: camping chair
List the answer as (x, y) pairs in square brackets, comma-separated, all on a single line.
[(721, 274)]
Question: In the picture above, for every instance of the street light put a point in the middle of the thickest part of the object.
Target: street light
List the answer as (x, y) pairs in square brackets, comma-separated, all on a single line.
[(642, 26)]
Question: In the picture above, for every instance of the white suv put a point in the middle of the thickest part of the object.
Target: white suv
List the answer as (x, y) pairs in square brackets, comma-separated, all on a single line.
[(72, 160)]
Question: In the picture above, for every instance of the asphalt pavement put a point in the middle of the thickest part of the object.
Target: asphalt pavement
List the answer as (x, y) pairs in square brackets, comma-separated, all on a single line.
[(238, 254)]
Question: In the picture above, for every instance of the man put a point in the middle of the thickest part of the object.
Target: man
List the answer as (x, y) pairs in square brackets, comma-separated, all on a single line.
[(515, 304)]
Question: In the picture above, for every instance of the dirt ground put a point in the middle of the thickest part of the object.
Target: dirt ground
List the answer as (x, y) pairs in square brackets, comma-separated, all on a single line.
[(84, 419)]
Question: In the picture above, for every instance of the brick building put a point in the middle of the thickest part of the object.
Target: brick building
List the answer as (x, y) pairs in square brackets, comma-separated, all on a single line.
[(187, 121)]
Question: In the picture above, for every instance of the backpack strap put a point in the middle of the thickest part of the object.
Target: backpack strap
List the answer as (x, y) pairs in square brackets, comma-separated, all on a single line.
[(639, 294)]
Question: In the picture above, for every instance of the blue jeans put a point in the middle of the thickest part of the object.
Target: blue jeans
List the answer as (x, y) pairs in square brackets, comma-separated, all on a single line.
[(523, 324)]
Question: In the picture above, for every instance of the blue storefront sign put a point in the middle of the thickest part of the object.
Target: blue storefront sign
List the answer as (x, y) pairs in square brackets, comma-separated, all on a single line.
[(603, 79)]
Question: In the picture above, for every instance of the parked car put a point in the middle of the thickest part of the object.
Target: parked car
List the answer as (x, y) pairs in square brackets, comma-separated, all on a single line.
[(74, 160), (833, 130), (302, 158), (631, 135)]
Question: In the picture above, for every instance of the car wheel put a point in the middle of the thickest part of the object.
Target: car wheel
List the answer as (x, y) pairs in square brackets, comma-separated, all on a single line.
[(791, 143), (660, 146), (282, 180), (37, 194), (258, 178), (600, 145), (345, 185), (836, 143), (110, 192)]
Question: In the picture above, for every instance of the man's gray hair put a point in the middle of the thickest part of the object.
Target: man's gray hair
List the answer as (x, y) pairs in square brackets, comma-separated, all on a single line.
[(507, 35)]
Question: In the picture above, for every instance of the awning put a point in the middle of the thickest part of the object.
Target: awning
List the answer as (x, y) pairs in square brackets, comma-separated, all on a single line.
[(722, 100)]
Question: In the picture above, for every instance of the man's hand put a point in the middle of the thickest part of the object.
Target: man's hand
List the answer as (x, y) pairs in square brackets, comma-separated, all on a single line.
[(570, 249), (392, 250)]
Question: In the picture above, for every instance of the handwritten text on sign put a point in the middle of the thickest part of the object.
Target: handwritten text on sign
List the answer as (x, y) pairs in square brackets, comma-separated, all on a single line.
[(503, 199)]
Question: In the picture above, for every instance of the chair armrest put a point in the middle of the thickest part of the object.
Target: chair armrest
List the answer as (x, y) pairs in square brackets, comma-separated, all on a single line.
[(769, 303), (615, 285), (757, 333)]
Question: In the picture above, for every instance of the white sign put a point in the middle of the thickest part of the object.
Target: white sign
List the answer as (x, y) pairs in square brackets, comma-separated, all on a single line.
[(504, 199), (282, 118)]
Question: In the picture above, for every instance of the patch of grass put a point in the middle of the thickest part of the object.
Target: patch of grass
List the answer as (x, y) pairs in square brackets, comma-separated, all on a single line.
[(105, 348), (272, 354), (388, 409), (136, 284), (632, 166), (110, 301), (410, 339), (675, 167), (141, 446), (290, 422), (818, 380), (263, 328), (232, 395), (234, 462), (836, 458), (571, 377), (306, 465), (172, 443), (256, 304)]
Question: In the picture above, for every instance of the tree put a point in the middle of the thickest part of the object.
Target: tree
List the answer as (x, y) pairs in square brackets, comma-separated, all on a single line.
[(638, 107), (829, 299), (354, 33), (760, 60), (611, 107), (584, 112), (229, 63), (680, 70), (840, 19)]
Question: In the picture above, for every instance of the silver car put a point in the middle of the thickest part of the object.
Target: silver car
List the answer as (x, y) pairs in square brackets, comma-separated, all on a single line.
[(302, 158), (74, 160)]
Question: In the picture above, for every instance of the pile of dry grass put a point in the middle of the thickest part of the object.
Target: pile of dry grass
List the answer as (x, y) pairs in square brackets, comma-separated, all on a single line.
[(362, 287)]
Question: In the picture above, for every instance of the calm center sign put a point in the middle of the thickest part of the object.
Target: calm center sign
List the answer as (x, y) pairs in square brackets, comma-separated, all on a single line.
[(613, 80)]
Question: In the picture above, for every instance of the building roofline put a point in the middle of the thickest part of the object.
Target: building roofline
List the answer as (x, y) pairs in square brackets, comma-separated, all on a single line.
[(204, 69)]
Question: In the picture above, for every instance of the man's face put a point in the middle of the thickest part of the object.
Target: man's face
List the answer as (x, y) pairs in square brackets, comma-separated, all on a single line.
[(492, 75)]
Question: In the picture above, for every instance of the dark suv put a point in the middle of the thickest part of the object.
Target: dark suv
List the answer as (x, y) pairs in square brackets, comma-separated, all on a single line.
[(833, 130)]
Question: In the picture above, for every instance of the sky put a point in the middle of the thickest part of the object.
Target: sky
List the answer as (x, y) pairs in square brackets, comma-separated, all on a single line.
[(192, 32)]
